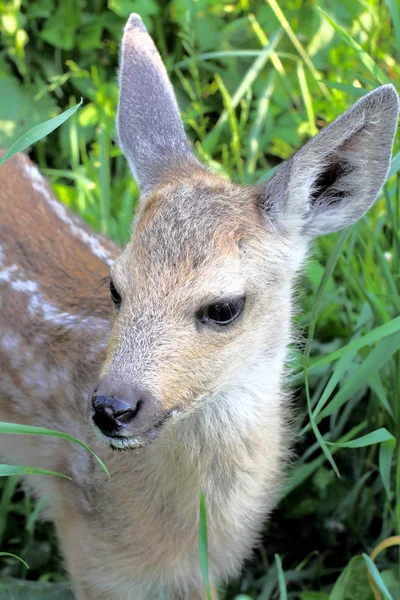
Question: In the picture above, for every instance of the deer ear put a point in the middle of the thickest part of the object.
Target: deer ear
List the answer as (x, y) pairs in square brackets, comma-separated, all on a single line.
[(149, 126), (335, 178)]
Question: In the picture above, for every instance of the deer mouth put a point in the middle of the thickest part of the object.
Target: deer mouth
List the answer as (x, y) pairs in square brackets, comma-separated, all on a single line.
[(135, 441)]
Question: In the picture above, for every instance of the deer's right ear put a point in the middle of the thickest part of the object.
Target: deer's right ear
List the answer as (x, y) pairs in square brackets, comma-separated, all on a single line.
[(149, 126), (335, 178)]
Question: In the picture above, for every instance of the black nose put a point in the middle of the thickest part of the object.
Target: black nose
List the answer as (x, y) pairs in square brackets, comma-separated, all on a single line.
[(112, 414)]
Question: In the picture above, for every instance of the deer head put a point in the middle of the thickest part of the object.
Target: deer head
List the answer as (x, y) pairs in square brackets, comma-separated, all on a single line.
[(202, 291)]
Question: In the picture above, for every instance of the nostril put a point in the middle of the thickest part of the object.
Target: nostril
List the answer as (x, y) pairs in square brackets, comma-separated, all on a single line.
[(126, 416), (112, 413), (111, 406)]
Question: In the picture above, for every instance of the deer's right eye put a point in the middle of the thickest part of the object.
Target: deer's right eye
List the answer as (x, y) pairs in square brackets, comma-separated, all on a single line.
[(115, 296), (221, 313)]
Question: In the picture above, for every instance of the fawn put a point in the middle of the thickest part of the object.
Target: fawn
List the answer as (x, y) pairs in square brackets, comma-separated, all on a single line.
[(187, 371)]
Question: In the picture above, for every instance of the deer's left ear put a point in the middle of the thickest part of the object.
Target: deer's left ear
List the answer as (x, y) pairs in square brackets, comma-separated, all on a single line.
[(149, 125), (335, 178)]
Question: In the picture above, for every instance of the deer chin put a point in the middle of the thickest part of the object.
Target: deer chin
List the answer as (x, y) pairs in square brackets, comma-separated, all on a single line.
[(135, 441)]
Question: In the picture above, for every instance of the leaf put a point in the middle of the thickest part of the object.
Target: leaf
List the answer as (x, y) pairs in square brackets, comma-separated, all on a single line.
[(375, 437), (211, 140), (353, 582), (364, 57), (296, 43), (8, 470), (302, 472), (375, 360), (60, 28), (340, 369), (394, 165), (281, 578), (385, 462), (203, 544), (393, 7), (369, 338), (16, 558), (330, 265), (20, 110), (345, 87), (312, 129), (14, 428), (90, 33), (376, 576), (259, 121), (38, 132), (6, 504)]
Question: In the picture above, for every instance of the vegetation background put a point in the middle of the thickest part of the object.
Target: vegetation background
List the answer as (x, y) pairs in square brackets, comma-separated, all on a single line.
[(255, 80)]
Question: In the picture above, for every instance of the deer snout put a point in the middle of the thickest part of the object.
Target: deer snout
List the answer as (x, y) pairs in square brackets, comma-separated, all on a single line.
[(111, 414), (122, 411)]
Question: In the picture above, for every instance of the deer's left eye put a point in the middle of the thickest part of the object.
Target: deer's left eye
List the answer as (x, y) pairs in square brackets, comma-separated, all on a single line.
[(115, 295), (221, 313)]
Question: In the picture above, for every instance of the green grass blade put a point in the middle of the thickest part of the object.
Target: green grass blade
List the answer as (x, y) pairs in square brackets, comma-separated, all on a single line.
[(281, 578), (104, 176), (303, 472), (275, 60), (393, 7), (325, 278), (345, 87), (219, 54), (395, 165), (375, 383), (211, 140), (261, 115), (16, 558), (40, 506), (306, 99), (38, 132), (7, 470), (368, 339), (14, 428), (375, 437), (234, 126), (375, 360), (9, 488), (203, 544), (341, 367), (386, 451), (293, 38), (367, 61), (376, 576)]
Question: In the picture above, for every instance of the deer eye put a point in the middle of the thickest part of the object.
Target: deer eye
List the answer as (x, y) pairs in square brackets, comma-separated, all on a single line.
[(115, 296), (221, 313)]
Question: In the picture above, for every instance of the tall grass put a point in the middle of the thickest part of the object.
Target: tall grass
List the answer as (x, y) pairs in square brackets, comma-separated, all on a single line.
[(254, 81)]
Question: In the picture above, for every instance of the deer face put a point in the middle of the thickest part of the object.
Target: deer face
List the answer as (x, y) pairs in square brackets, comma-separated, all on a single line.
[(202, 290), (200, 299)]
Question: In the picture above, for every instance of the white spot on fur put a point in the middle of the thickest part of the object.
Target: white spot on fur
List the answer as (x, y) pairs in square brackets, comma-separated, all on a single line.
[(38, 304), (49, 312), (10, 342), (6, 274), (39, 183), (24, 286)]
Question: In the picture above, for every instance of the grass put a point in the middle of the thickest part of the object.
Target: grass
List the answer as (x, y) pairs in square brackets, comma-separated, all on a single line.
[(254, 81)]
